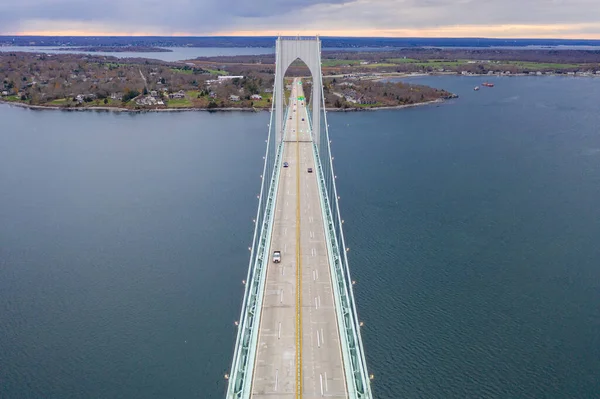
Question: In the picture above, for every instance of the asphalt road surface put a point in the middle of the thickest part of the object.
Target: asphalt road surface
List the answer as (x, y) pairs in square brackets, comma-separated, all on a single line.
[(299, 353)]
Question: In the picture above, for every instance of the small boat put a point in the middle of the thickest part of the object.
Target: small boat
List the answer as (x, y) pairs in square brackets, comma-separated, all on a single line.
[(486, 84), (476, 88)]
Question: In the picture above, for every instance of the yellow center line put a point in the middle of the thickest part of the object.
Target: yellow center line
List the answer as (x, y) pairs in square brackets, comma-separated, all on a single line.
[(298, 268)]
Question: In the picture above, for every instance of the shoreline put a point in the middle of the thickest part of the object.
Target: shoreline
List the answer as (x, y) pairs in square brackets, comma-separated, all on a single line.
[(382, 77), (228, 109)]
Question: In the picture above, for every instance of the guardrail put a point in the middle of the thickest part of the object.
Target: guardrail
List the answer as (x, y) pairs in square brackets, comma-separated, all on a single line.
[(352, 348), (240, 378)]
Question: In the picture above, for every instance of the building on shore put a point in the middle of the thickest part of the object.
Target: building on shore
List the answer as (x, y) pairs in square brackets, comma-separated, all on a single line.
[(229, 77)]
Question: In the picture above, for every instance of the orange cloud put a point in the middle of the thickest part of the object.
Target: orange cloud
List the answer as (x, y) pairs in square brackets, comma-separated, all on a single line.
[(554, 31)]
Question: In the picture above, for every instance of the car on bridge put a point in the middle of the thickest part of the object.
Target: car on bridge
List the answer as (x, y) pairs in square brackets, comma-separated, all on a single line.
[(285, 165), (309, 170), (302, 119), (276, 256)]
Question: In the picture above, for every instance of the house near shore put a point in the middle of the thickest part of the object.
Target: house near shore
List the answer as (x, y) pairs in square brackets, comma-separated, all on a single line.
[(222, 78), (366, 100), (180, 94), (234, 98), (256, 97)]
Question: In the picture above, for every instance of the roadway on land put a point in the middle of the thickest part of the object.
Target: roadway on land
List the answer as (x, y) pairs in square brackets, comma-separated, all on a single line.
[(299, 353)]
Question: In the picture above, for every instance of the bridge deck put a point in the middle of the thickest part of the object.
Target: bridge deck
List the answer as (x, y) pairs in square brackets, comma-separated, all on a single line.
[(278, 347)]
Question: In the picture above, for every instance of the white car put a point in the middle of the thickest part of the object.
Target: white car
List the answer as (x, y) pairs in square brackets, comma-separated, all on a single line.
[(276, 256)]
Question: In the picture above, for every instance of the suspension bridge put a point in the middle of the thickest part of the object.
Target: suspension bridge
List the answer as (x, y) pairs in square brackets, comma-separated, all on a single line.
[(298, 333)]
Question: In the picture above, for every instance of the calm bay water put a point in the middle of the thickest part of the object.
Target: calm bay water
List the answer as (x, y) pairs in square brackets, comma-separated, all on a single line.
[(177, 53), (473, 229)]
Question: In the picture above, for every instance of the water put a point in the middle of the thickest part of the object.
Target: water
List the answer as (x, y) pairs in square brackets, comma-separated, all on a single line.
[(177, 53), (473, 229)]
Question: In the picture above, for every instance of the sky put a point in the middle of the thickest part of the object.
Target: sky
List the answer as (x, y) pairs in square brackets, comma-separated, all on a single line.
[(569, 19)]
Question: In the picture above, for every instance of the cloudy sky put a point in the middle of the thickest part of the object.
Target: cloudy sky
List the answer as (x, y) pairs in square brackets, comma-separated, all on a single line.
[(424, 18)]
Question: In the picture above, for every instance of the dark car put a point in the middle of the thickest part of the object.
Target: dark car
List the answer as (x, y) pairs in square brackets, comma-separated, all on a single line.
[(302, 119), (285, 165), (309, 170)]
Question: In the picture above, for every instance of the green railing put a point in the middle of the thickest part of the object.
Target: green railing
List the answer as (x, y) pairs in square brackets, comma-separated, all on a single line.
[(352, 349), (240, 379)]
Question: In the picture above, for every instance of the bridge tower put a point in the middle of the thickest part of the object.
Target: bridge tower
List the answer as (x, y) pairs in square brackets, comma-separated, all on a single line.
[(308, 50)]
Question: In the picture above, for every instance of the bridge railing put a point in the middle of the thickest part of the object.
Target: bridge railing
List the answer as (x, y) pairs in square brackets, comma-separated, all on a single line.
[(353, 352), (240, 378)]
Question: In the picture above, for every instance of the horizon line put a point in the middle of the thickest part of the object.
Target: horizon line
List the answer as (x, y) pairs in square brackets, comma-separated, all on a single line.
[(35, 34)]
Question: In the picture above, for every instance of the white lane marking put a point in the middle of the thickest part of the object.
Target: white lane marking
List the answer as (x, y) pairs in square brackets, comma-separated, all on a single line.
[(321, 377), (310, 219), (318, 340), (277, 378), (285, 231), (281, 296), (312, 234), (317, 274), (279, 332), (322, 336), (314, 276), (319, 300), (284, 248), (282, 269), (313, 252), (326, 389)]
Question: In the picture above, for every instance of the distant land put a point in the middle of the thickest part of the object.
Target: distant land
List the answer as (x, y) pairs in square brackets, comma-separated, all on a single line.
[(353, 80), (117, 49), (269, 41)]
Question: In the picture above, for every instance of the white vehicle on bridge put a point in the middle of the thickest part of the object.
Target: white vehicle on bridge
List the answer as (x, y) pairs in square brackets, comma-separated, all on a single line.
[(276, 256)]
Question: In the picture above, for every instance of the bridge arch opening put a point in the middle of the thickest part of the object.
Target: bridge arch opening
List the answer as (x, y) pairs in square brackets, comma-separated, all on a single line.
[(298, 69)]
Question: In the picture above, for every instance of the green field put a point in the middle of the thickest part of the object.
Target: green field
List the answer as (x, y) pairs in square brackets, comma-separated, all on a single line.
[(216, 72), (447, 63), (378, 65), (192, 93), (11, 98), (402, 60), (367, 105), (179, 103), (332, 63), (59, 101), (540, 65), (182, 71)]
